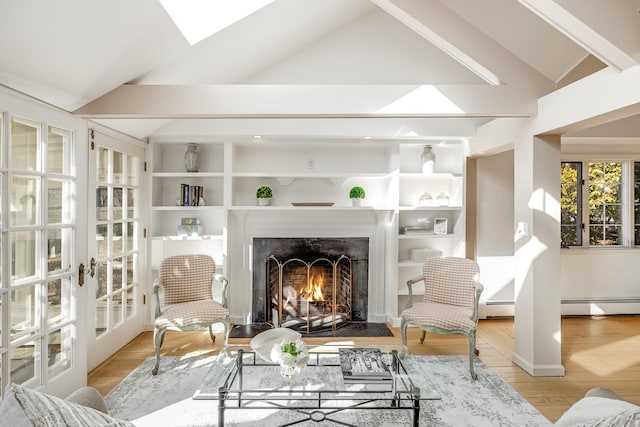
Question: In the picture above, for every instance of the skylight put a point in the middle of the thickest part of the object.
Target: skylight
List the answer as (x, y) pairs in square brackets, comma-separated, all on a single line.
[(198, 19), (424, 99)]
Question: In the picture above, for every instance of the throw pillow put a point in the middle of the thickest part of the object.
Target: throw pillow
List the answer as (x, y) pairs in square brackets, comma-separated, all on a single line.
[(599, 411), (24, 407)]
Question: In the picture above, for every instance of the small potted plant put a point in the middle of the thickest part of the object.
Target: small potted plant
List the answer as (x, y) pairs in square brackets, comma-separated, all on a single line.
[(264, 196), (356, 194)]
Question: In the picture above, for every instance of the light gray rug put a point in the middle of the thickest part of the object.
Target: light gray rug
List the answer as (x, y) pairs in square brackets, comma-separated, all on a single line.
[(166, 399)]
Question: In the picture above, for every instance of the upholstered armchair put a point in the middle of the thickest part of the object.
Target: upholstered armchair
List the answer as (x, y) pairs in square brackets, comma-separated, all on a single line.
[(184, 298), (450, 301)]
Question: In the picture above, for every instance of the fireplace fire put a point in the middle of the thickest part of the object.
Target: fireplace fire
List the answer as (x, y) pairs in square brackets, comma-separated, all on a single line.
[(310, 296)]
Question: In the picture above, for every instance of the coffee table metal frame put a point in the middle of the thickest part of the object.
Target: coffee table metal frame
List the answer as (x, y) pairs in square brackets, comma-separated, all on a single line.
[(318, 405)]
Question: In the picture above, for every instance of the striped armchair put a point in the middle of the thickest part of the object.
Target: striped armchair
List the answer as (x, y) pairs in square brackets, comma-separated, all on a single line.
[(184, 298), (450, 301)]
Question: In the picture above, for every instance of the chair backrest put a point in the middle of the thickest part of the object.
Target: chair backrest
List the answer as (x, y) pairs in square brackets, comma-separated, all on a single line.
[(450, 280), (186, 278)]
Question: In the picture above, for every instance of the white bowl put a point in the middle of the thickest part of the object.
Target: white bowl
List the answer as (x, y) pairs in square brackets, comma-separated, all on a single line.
[(264, 341)]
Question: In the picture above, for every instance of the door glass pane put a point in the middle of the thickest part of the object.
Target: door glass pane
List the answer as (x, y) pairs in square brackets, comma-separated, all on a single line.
[(23, 312), (24, 200), (116, 283), (101, 317), (57, 151), (117, 239), (102, 164), (101, 274), (102, 240), (59, 350), (132, 170), (118, 167), (130, 237), (131, 308), (117, 203), (55, 299), (23, 254), (54, 201), (116, 307), (131, 203), (102, 203), (23, 366), (54, 244), (24, 145), (131, 265)]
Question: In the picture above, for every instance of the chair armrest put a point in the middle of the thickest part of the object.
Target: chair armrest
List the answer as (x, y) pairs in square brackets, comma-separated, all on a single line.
[(410, 283), (479, 287), (222, 279), (156, 293)]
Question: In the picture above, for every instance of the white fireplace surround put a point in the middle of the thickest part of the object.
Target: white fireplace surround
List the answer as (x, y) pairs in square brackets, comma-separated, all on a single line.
[(247, 224)]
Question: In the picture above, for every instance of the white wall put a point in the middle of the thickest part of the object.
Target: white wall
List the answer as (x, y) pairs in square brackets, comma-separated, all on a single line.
[(593, 281), (494, 224)]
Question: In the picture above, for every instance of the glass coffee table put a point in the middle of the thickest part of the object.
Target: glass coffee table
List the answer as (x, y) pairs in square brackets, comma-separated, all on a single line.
[(319, 392)]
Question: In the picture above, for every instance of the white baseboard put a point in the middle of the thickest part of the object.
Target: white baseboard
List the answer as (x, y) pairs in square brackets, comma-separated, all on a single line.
[(538, 370)]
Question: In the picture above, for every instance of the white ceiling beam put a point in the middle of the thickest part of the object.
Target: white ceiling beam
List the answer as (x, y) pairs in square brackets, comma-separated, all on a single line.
[(417, 19), (309, 101), (581, 33)]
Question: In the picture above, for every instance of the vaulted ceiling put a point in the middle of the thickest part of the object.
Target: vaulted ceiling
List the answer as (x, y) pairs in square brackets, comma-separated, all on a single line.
[(312, 68)]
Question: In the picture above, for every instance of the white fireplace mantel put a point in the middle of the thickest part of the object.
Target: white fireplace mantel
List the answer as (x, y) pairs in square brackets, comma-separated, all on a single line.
[(247, 224)]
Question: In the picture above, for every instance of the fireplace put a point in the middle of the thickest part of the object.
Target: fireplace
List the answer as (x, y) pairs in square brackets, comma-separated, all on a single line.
[(310, 284)]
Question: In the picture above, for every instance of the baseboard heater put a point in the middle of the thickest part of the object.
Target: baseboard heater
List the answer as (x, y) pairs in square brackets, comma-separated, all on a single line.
[(624, 300)]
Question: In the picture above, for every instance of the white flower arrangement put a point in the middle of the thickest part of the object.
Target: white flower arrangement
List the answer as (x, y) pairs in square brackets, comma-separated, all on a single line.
[(290, 353)]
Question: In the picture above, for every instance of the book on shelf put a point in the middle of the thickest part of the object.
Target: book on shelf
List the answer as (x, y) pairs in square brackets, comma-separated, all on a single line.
[(191, 194), (364, 365)]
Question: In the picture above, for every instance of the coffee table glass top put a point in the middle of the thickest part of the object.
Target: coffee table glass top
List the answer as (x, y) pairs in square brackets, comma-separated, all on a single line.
[(257, 379)]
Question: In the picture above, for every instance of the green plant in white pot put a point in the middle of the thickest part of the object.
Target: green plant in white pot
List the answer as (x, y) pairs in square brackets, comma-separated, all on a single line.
[(356, 194), (264, 195)]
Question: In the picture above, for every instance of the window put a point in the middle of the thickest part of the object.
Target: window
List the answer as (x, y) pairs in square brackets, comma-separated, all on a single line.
[(571, 202), (598, 191), (636, 203)]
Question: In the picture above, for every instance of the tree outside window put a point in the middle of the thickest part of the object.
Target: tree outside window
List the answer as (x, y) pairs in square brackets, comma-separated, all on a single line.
[(570, 204), (605, 203)]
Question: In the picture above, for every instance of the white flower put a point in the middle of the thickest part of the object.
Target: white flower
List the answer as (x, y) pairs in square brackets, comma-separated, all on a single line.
[(290, 352)]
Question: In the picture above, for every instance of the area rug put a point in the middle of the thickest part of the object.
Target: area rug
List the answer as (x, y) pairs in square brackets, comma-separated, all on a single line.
[(353, 329), (166, 399)]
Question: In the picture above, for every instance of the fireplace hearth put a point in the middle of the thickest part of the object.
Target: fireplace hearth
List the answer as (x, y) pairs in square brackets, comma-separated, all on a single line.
[(310, 284)]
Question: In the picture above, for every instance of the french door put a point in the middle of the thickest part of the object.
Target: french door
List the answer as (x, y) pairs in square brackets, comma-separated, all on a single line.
[(115, 267), (41, 329)]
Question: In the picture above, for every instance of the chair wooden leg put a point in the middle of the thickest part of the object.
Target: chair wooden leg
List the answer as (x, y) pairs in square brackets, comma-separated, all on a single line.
[(158, 338), (472, 350), (213, 337), (403, 333), (424, 334)]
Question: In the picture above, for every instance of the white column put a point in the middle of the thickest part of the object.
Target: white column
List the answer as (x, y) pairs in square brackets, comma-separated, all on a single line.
[(537, 347)]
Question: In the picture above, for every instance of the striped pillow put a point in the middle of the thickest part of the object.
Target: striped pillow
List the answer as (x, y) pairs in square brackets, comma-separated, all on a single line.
[(25, 407)]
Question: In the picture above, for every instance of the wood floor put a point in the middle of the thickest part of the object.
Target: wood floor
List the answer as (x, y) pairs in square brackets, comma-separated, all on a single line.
[(596, 352)]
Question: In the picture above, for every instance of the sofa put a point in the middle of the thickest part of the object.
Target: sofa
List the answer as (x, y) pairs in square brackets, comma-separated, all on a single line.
[(23, 407), (601, 407), (85, 407)]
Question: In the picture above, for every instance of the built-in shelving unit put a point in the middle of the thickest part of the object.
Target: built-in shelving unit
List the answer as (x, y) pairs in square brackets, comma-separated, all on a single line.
[(311, 172), (416, 217)]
